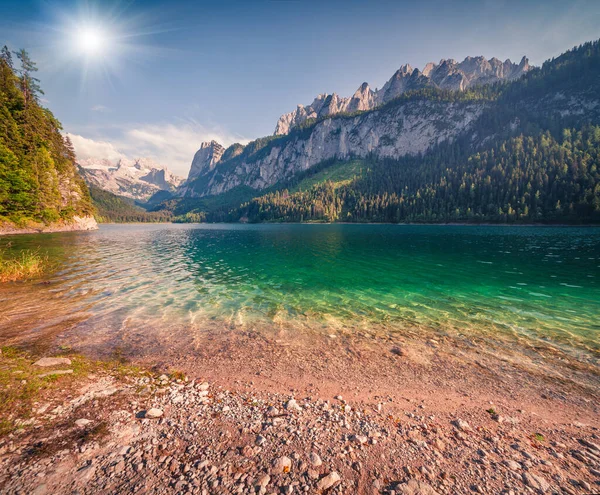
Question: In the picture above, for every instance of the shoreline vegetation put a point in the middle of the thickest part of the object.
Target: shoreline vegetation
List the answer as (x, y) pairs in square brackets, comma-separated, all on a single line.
[(24, 265)]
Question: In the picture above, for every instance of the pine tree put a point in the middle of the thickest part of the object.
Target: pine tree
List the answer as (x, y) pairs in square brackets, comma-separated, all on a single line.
[(30, 86), (6, 56)]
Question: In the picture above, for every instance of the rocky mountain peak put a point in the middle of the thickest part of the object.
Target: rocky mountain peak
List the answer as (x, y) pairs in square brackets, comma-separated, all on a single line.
[(206, 158), (447, 74)]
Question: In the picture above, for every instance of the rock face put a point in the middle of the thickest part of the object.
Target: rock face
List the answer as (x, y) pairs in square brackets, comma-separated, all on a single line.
[(393, 131), (448, 74), (137, 179), (206, 159), (368, 126)]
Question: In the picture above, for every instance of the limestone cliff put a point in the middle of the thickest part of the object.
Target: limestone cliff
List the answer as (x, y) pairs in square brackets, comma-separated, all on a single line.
[(448, 74)]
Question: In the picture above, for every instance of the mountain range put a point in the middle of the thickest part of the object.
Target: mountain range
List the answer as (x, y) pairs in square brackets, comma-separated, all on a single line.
[(448, 74), (137, 179), (394, 154), (523, 138)]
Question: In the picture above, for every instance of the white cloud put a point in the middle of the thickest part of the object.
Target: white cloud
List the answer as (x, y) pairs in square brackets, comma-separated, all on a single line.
[(171, 145), (88, 148)]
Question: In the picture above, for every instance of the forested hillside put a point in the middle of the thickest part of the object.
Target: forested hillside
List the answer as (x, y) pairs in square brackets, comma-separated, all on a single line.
[(116, 209), (39, 182), (524, 179)]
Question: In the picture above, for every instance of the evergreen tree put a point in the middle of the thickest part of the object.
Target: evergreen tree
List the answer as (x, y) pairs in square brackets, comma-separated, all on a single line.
[(6, 56), (30, 86)]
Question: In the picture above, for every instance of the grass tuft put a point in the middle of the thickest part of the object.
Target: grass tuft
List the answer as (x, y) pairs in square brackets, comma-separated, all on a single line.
[(26, 264)]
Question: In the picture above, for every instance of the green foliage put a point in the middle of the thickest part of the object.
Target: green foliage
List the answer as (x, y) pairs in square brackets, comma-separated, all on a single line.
[(38, 178), (117, 209), (523, 179)]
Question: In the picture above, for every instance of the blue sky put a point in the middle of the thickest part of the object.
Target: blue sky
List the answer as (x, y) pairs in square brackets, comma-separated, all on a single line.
[(171, 74)]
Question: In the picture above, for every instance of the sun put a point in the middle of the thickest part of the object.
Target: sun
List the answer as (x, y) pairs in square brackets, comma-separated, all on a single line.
[(90, 41)]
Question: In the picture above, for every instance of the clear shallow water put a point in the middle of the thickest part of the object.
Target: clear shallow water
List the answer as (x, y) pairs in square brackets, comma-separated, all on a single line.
[(541, 283)]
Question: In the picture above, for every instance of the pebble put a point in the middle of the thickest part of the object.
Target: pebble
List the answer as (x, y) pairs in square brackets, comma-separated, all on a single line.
[(55, 372), (328, 481), (282, 464), (82, 423), (153, 413), (462, 425), (292, 405)]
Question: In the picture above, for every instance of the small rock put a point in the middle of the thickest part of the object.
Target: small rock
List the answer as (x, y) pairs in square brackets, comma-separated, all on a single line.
[(282, 464), (328, 481), (360, 439), (263, 481), (153, 413), (52, 361), (82, 423), (86, 473), (292, 405), (512, 465), (415, 487), (462, 425), (56, 372), (536, 482), (315, 460)]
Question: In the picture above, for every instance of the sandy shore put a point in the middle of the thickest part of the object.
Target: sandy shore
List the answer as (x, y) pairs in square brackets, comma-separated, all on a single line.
[(342, 413)]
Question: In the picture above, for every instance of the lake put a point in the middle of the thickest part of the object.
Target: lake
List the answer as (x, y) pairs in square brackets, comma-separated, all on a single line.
[(136, 281)]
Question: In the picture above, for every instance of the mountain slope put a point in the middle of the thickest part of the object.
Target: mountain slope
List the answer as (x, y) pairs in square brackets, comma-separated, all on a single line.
[(39, 184), (562, 93), (523, 179), (448, 74), (453, 128)]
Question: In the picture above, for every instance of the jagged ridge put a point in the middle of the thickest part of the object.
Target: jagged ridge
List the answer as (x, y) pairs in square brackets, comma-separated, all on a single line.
[(448, 74)]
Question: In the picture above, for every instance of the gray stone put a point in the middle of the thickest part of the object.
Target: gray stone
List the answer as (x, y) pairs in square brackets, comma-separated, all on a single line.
[(55, 372)]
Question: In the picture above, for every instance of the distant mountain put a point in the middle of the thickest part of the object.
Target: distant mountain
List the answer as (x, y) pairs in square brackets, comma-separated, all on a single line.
[(448, 74), (40, 188), (525, 141), (137, 179)]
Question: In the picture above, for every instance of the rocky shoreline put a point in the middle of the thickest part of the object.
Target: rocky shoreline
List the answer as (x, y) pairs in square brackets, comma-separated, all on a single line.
[(77, 224), (143, 431)]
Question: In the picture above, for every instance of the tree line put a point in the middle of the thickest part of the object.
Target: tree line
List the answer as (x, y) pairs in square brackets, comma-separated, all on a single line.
[(38, 178)]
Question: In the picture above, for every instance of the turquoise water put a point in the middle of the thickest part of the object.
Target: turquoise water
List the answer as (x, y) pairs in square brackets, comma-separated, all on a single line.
[(534, 282)]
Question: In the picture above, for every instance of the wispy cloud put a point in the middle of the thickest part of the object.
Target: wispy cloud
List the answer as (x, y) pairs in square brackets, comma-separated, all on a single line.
[(169, 144), (100, 108)]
